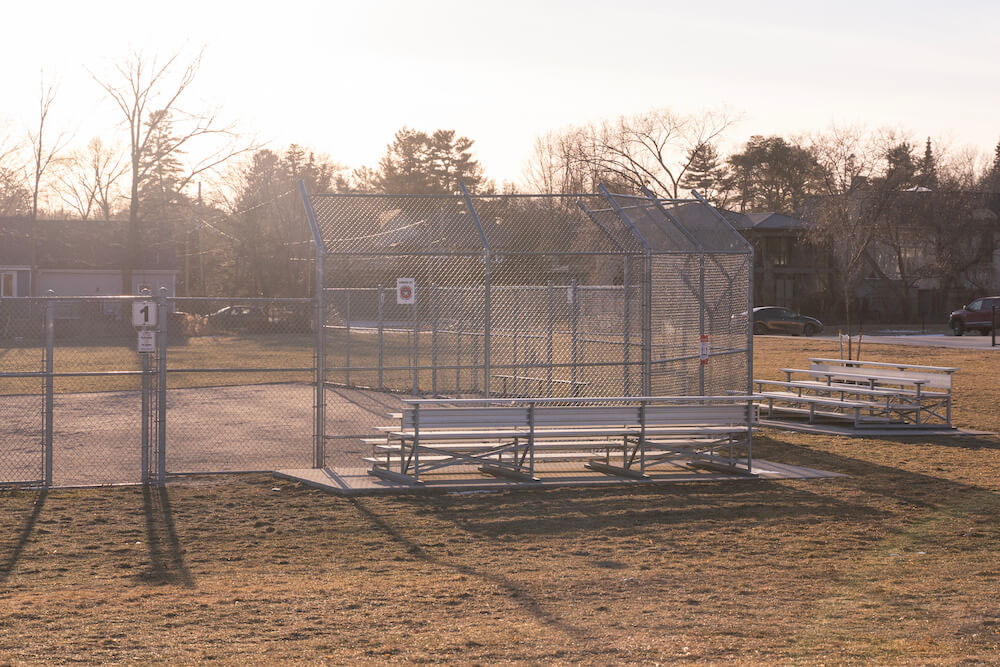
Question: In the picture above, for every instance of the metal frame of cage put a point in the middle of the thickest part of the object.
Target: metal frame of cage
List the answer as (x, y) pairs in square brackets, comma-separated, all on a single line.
[(684, 268)]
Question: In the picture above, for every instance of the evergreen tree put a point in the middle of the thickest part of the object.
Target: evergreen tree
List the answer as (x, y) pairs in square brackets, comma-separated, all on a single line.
[(268, 232), (902, 168), (160, 190), (418, 163), (15, 196), (706, 173), (927, 167), (772, 174), (991, 179)]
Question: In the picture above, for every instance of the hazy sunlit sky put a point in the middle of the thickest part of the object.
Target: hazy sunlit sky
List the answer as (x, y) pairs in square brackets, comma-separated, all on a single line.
[(342, 77)]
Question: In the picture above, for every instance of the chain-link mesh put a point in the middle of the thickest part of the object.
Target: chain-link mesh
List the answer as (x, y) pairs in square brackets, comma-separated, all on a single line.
[(22, 390), (523, 296), (239, 389), (240, 384), (515, 296)]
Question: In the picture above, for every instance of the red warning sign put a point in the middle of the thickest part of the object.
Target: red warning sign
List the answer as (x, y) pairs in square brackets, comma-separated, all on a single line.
[(405, 288), (703, 351)]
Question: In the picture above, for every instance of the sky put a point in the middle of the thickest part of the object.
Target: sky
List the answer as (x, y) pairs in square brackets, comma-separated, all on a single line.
[(342, 77)]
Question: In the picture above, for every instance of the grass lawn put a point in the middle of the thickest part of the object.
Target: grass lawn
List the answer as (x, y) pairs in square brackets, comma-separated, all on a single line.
[(898, 563)]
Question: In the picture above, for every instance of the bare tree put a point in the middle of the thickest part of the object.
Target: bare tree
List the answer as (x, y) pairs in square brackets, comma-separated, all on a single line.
[(848, 217), (653, 149), (89, 178), (43, 154), (15, 197), (148, 95)]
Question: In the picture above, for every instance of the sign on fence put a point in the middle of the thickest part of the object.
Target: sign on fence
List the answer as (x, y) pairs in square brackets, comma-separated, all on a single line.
[(147, 341), (703, 351), (144, 313), (406, 291)]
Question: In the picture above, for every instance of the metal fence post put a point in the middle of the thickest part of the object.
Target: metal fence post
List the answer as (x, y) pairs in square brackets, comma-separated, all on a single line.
[(626, 330), (434, 340), (516, 315), (750, 286), (161, 393), (487, 288), (647, 328), (475, 363), (347, 337), (319, 428), (458, 358), (144, 444), (381, 330), (993, 329), (701, 321), (551, 333), (487, 324), (574, 324), (50, 339), (415, 365)]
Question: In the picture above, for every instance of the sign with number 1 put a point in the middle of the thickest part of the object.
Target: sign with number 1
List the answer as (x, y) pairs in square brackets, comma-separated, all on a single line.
[(144, 313)]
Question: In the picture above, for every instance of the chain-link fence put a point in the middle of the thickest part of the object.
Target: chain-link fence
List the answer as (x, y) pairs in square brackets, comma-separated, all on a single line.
[(522, 296), (450, 296), (228, 386)]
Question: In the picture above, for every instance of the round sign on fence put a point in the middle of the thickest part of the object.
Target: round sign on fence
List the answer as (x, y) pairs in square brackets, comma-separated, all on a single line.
[(405, 290)]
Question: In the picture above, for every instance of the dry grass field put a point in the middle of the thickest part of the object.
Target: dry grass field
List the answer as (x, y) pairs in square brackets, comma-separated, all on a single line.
[(898, 563)]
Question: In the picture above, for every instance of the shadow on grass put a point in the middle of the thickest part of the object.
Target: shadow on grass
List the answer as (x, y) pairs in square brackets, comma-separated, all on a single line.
[(518, 594), (592, 511), (566, 511), (916, 488), (24, 536), (166, 558)]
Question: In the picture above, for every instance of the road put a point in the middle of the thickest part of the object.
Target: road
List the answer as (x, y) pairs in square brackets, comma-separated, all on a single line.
[(967, 342)]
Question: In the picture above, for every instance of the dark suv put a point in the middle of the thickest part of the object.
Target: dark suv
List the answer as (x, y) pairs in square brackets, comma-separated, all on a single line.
[(977, 316)]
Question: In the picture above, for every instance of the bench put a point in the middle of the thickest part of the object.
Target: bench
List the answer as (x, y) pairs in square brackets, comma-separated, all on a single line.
[(860, 403), (917, 393), (505, 437), (901, 376)]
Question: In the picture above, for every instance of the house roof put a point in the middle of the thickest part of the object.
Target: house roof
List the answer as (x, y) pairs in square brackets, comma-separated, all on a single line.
[(745, 221), (78, 244), (772, 220)]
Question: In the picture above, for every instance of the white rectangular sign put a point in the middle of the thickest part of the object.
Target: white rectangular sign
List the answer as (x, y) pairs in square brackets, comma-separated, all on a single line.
[(406, 291), (144, 313), (147, 341)]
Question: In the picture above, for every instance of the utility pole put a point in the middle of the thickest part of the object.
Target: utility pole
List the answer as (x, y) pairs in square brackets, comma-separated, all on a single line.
[(201, 257)]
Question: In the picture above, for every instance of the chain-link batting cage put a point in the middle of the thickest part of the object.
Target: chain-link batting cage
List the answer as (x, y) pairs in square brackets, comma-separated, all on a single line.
[(521, 296)]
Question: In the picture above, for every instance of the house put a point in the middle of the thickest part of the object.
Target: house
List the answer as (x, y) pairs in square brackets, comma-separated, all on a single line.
[(787, 271), (78, 258)]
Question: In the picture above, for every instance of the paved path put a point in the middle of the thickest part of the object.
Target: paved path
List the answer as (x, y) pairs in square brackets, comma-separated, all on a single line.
[(967, 342)]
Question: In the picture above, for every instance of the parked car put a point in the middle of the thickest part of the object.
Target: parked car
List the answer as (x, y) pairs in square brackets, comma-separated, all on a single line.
[(977, 316), (239, 318), (778, 320), (291, 319)]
